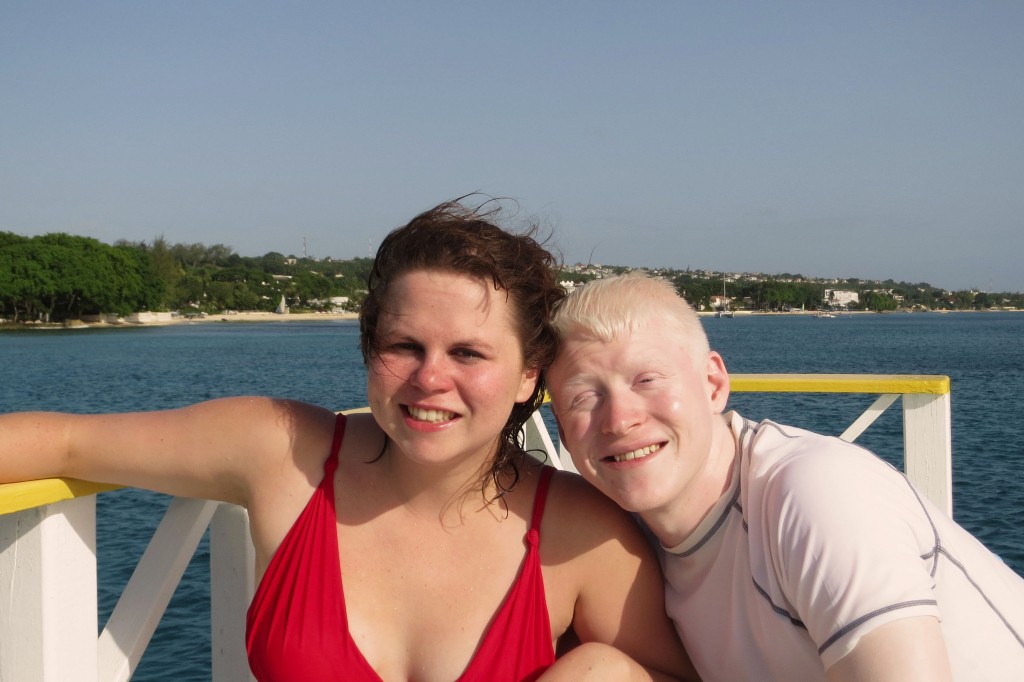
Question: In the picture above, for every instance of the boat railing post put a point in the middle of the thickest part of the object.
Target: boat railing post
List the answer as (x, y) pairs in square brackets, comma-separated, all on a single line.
[(232, 585), (145, 597), (49, 616), (928, 446), (536, 437)]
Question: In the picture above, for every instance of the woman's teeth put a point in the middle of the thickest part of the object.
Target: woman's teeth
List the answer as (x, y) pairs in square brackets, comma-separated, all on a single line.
[(432, 416)]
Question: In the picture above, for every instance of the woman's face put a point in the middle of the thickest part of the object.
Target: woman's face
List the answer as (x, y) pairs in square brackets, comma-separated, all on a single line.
[(448, 369)]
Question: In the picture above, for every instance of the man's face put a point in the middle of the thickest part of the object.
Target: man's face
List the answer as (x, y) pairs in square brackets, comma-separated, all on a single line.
[(639, 414)]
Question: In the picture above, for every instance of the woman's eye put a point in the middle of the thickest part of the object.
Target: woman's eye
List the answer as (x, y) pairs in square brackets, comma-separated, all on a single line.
[(401, 347), (466, 353)]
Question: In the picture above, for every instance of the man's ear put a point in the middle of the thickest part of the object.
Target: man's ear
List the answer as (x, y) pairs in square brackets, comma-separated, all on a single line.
[(717, 378)]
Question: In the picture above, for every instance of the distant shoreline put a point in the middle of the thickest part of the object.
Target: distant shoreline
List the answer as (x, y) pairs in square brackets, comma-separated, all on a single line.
[(231, 318), (256, 316)]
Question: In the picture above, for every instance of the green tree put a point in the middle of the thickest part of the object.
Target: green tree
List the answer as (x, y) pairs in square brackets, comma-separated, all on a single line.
[(26, 281), (154, 286), (879, 301), (8, 239), (90, 277), (58, 276), (963, 300), (311, 286), (274, 263)]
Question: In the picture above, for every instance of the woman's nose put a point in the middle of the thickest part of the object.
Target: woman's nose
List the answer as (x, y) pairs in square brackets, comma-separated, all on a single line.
[(432, 373)]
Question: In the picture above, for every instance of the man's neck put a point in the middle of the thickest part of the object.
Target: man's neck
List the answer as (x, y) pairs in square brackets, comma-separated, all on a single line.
[(678, 520)]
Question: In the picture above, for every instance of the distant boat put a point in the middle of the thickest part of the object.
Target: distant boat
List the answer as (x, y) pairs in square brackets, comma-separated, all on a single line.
[(824, 311), (724, 310)]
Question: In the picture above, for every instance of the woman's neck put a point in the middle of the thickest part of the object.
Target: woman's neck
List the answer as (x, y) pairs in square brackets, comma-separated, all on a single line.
[(446, 492)]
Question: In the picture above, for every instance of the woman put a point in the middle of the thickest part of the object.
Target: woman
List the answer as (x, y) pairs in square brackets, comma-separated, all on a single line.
[(390, 546)]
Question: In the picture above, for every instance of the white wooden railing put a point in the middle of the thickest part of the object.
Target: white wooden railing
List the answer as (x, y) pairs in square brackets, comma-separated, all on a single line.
[(48, 604)]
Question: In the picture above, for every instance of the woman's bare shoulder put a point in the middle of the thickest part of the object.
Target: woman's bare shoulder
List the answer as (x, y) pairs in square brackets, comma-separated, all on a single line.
[(570, 490), (237, 446), (283, 434), (598, 553), (269, 427), (578, 517)]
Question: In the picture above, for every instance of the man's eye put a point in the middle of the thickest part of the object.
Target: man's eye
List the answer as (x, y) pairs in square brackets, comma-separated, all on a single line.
[(583, 399)]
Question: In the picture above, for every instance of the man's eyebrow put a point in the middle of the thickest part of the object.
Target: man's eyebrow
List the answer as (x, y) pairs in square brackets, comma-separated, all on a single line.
[(577, 380)]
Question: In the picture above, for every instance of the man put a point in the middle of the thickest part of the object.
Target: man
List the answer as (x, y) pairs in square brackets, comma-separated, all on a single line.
[(787, 555)]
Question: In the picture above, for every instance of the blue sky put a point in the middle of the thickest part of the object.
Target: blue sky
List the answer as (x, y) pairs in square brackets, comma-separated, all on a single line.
[(868, 139)]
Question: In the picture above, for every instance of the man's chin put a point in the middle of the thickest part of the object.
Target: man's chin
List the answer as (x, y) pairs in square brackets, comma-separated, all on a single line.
[(632, 501)]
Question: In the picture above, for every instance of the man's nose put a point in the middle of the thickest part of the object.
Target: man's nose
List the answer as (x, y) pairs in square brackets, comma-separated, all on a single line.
[(623, 412)]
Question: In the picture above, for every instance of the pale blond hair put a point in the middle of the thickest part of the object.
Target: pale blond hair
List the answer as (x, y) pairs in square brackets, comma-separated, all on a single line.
[(613, 306)]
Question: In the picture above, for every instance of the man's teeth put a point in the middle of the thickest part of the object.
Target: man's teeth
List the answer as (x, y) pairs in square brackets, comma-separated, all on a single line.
[(636, 454), (432, 416)]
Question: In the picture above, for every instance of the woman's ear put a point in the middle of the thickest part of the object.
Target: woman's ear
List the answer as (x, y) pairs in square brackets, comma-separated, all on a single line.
[(528, 383)]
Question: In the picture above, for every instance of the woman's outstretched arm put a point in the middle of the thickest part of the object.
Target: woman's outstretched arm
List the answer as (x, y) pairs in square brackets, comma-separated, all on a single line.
[(216, 450)]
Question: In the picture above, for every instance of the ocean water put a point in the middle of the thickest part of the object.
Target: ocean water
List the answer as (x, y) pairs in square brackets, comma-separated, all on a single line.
[(92, 371)]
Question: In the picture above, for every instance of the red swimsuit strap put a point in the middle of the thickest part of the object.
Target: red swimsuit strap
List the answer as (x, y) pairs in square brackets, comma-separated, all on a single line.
[(339, 435), (541, 497)]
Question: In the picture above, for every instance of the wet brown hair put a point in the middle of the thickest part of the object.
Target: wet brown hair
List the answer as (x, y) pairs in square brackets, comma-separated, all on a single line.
[(454, 238)]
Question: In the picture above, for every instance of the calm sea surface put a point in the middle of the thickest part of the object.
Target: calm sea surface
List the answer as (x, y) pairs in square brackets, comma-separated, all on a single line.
[(143, 369)]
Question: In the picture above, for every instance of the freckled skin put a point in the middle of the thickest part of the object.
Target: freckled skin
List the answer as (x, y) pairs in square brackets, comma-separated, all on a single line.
[(446, 344)]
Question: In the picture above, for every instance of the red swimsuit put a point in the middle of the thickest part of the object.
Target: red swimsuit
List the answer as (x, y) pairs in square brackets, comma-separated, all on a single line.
[(297, 627)]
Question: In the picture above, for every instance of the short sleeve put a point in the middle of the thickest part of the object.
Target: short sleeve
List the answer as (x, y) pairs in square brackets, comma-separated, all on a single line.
[(849, 544)]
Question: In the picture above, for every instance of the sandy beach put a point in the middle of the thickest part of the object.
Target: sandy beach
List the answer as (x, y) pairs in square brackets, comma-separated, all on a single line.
[(253, 316), (218, 318), (258, 316)]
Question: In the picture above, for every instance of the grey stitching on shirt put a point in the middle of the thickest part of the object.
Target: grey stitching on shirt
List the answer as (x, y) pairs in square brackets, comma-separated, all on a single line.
[(1016, 635), (776, 608), (939, 551), (718, 524), (893, 607)]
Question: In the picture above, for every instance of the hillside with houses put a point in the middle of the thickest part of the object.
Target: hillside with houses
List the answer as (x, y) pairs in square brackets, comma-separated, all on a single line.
[(709, 290), (59, 277)]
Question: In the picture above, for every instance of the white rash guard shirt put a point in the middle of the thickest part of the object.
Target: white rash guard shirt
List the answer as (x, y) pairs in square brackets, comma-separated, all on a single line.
[(817, 543)]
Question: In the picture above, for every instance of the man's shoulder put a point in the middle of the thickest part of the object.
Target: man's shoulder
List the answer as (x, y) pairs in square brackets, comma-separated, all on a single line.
[(783, 462), (769, 443)]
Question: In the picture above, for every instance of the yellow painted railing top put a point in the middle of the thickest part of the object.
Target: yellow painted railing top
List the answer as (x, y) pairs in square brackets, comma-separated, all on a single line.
[(932, 384), (15, 497)]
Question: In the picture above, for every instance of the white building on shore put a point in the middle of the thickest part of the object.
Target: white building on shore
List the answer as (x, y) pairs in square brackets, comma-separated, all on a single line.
[(841, 298)]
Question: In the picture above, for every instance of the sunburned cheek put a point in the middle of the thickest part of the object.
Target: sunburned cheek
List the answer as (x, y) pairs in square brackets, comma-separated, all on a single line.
[(385, 368)]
